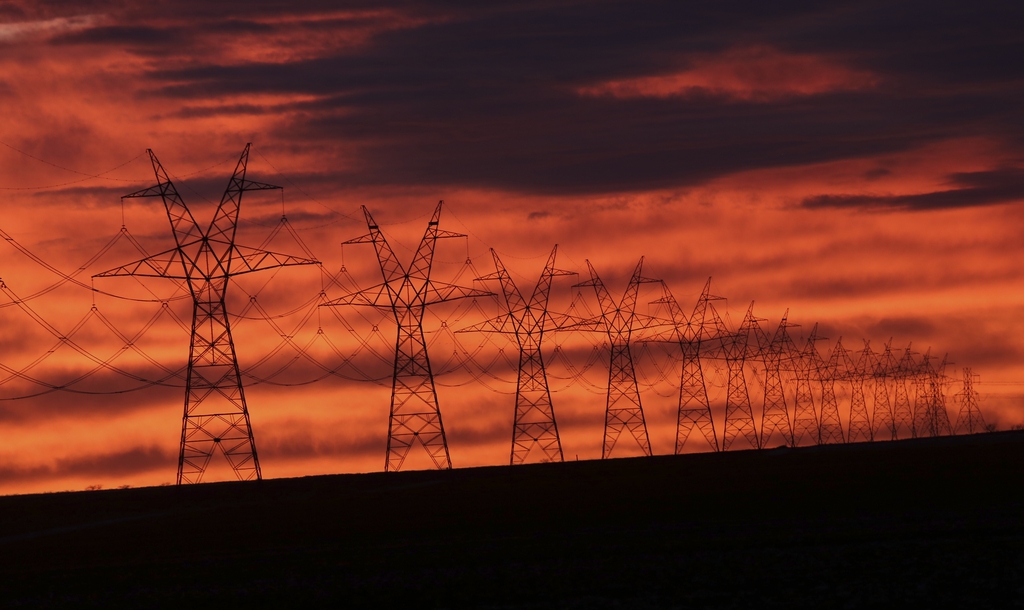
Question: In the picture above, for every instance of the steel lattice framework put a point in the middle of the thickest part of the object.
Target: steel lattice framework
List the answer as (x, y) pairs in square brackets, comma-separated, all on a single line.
[(881, 418), (857, 372), (739, 416), (830, 427), (902, 411), (775, 416), (623, 410), (406, 292), (933, 417), (805, 421), (216, 415), (534, 429), (702, 330), (969, 418)]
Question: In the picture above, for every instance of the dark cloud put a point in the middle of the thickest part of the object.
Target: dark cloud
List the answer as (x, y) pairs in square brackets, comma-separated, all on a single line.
[(973, 189), (122, 35), (486, 98)]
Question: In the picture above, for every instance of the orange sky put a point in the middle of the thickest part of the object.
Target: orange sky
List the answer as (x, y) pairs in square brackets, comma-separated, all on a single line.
[(859, 167)]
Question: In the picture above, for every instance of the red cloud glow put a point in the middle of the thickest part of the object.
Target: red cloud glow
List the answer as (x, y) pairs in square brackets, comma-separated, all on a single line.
[(756, 73)]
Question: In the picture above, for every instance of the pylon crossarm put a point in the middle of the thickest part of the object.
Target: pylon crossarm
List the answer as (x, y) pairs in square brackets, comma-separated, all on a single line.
[(501, 324), (362, 239), (652, 326), (375, 296), (156, 190), (564, 322), (249, 185), (248, 260), (157, 265), (439, 292)]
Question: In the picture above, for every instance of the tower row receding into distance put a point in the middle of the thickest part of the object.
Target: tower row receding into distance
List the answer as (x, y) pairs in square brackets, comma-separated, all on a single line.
[(907, 392)]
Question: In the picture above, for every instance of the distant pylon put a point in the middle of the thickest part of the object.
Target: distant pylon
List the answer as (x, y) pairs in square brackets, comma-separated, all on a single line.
[(860, 428), (739, 417), (936, 418), (775, 416), (533, 426), (969, 419), (406, 292), (694, 407), (623, 411), (830, 427), (881, 417), (805, 421), (216, 414), (902, 411)]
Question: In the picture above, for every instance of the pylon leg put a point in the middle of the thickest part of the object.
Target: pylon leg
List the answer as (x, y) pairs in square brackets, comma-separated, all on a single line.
[(534, 428), (415, 415), (216, 415), (624, 412), (694, 407)]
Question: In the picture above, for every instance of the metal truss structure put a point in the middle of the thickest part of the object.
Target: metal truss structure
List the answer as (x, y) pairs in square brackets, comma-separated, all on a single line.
[(534, 429), (932, 415), (775, 417), (216, 416), (902, 411), (830, 427), (881, 417), (702, 330), (739, 417), (857, 372), (406, 292), (623, 410), (805, 368), (969, 419)]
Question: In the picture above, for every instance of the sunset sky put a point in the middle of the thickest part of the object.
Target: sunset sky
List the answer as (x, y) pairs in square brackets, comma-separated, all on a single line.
[(858, 163)]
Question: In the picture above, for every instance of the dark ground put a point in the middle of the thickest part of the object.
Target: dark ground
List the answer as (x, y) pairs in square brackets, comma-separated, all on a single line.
[(924, 523)]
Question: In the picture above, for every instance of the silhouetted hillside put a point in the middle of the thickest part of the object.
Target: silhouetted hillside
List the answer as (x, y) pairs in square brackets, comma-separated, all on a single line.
[(931, 521)]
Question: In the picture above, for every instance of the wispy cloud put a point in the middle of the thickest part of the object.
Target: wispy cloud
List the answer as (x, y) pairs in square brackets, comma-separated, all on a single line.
[(19, 31)]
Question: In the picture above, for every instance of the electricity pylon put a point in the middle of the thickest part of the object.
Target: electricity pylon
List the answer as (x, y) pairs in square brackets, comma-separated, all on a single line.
[(882, 415), (623, 411), (934, 419), (695, 335), (533, 425), (969, 419), (739, 417), (805, 421), (902, 412), (857, 372), (775, 416), (407, 291), (216, 414), (830, 427)]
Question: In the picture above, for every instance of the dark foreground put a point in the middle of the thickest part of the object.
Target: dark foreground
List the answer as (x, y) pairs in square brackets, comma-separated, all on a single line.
[(937, 522)]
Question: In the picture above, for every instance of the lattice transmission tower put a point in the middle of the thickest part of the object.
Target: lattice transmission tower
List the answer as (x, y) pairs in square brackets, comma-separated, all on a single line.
[(881, 416), (534, 429), (969, 419), (830, 426), (739, 416), (623, 410), (216, 415), (857, 372), (700, 333), (902, 411), (406, 292), (805, 369), (932, 415), (775, 417)]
